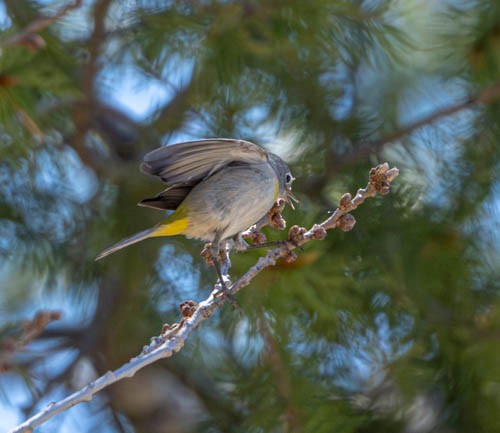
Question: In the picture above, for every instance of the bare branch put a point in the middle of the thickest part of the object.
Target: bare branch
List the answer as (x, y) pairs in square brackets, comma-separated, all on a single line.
[(173, 336), (82, 115), (29, 35), (27, 332), (488, 95)]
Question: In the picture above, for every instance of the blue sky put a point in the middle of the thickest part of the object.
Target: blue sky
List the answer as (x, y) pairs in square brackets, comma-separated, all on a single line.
[(139, 97)]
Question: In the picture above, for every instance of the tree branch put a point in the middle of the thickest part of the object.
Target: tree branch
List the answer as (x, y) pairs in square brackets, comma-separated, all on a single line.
[(82, 115), (173, 336), (488, 95), (29, 35), (24, 334)]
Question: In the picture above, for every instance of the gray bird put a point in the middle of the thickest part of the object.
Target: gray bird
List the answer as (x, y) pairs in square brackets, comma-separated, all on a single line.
[(217, 189)]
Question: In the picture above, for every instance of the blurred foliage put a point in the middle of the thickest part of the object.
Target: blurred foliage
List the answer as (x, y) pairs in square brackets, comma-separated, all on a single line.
[(392, 327)]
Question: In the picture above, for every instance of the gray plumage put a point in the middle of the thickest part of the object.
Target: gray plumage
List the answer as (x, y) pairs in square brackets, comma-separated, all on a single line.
[(223, 186)]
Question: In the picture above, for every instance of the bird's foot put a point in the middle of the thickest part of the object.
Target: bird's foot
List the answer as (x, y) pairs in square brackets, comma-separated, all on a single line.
[(224, 291)]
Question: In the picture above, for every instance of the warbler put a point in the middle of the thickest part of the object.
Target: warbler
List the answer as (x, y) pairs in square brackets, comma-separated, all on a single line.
[(217, 189)]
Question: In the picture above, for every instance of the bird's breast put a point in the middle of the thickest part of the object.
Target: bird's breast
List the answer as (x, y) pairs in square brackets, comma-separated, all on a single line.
[(230, 201)]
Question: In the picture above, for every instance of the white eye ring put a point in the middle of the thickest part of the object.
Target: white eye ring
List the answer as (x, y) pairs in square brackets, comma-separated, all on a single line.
[(289, 178)]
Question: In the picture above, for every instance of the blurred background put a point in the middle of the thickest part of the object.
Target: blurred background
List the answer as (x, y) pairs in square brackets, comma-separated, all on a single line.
[(393, 327)]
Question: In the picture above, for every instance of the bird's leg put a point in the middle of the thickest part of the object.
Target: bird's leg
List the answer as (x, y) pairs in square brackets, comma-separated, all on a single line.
[(226, 264), (259, 240), (274, 219), (214, 252), (225, 260), (267, 245), (239, 243)]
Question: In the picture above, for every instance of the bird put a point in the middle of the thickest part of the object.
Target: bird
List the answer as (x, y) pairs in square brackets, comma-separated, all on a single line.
[(217, 188)]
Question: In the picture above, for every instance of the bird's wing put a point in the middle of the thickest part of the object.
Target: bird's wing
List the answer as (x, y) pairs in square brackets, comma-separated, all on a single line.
[(170, 199), (192, 161)]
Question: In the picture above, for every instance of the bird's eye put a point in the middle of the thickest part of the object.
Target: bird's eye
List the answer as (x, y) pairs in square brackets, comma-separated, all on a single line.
[(289, 178)]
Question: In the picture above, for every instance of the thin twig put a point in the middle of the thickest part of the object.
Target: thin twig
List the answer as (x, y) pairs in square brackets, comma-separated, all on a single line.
[(27, 332), (26, 36), (362, 150), (174, 336)]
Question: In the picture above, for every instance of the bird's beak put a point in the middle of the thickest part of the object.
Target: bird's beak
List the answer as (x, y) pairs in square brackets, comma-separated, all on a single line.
[(289, 195)]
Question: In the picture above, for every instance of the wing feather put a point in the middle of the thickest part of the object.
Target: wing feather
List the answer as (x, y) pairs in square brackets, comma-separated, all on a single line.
[(192, 161), (169, 199)]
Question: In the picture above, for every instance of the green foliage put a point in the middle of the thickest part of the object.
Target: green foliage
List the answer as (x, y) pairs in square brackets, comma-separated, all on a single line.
[(390, 327)]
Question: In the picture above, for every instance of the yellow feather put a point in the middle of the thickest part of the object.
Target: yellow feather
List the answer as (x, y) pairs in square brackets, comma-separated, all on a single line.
[(176, 227), (175, 224), (276, 189)]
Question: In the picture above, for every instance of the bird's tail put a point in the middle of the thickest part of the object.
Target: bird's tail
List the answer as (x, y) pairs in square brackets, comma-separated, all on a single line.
[(173, 225), (126, 242)]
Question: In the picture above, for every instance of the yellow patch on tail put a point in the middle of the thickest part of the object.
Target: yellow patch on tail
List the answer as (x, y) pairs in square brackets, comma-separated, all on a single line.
[(170, 229), (175, 224)]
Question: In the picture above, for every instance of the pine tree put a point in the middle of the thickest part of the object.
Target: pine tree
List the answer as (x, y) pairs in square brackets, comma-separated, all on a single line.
[(390, 327)]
